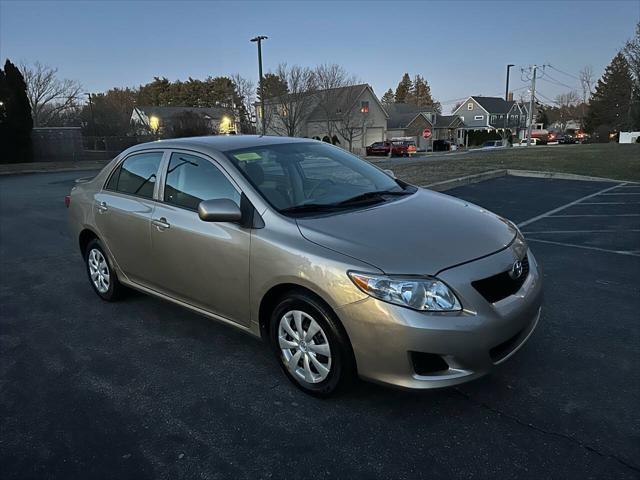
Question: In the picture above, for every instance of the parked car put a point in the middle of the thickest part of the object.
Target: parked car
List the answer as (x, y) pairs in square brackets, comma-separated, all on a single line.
[(442, 145), (492, 144), (523, 142), (400, 148), (341, 268)]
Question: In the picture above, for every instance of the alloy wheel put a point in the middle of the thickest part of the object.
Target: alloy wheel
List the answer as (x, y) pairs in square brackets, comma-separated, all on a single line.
[(305, 347), (99, 270)]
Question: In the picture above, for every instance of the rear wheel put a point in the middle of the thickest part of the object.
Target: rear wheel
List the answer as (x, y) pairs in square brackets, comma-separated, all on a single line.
[(310, 345), (102, 277)]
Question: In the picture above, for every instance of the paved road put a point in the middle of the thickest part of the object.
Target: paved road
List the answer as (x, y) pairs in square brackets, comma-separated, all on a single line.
[(142, 389)]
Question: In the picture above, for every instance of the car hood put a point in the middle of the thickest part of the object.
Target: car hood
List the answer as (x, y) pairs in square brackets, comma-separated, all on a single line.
[(420, 234)]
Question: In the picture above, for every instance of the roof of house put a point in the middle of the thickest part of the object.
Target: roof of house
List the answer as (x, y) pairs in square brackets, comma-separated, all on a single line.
[(166, 112), (494, 104), (342, 99), (402, 114), (445, 120)]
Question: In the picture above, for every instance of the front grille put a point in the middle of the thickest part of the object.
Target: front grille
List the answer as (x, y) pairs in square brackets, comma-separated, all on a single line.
[(500, 286)]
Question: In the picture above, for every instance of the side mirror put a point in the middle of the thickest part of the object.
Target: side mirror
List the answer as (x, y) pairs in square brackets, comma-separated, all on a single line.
[(390, 173), (219, 210)]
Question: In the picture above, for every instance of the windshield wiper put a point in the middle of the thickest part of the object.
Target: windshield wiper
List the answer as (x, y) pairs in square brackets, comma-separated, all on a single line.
[(310, 207), (377, 194)]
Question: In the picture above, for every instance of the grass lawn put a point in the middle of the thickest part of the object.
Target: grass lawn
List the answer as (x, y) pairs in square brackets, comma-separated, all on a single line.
[(612, 160)]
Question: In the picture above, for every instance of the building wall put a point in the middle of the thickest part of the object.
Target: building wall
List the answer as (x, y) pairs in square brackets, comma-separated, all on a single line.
[(468, 116), (57, 144)]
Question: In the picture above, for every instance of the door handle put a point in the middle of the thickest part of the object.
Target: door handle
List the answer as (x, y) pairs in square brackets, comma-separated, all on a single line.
[(102, 207), (161, 223)]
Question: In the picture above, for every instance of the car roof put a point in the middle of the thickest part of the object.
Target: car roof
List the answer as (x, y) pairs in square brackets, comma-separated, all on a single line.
[(220, 143)]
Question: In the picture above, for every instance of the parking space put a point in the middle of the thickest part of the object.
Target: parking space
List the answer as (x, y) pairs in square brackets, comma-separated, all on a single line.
[(144, 389)]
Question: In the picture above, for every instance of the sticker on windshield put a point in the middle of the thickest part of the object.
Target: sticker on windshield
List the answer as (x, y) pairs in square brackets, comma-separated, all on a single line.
[(244, 157)]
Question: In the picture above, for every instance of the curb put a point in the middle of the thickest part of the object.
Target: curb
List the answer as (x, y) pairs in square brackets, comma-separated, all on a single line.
[(563, 176), (466, 180), (44, 169), (480, 177)]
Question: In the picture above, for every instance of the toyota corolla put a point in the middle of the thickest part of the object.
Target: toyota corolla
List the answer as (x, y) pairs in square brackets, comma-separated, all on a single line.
[(343, 269)]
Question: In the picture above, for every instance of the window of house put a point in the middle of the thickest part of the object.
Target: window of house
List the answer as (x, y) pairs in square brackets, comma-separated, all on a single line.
[(136, 175), (192, 179), (478, 117), (364, 107), (470, 106)]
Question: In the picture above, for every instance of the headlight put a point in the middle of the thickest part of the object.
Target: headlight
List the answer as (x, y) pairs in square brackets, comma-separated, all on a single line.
[(425, 294)]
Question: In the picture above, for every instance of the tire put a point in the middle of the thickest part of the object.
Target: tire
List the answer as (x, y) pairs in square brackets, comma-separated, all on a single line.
[(307, 373), (102, 276)]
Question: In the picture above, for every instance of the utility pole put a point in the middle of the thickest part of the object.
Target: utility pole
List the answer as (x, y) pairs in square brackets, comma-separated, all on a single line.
[(259, 39), (534, 69)]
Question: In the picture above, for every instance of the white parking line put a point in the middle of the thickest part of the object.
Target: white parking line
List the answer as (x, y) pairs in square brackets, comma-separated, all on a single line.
[(585, 247), (582, 231), (621, 193), (610, 203), (570, 204)]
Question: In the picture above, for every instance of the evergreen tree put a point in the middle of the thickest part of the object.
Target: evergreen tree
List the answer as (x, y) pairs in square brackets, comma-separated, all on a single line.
[(15, 116), (404, 89), (611, 103), (274, 85), (421, 94), (632, 54), (388, 98)]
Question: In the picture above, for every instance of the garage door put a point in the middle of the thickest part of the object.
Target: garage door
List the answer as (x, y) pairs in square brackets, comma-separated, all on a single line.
[(374, 134)]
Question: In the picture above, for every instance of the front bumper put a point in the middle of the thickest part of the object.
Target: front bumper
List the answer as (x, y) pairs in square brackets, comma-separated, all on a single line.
[(386, 337)]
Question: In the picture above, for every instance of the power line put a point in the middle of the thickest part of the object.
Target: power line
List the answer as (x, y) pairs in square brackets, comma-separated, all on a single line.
[(558, 82), (565, 73)]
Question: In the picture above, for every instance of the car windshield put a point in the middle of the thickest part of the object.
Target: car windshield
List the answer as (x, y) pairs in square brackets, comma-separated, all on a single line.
[(297, 177)]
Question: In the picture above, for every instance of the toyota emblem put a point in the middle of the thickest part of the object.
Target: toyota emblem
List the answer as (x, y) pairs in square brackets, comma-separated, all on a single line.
[(516, 270)]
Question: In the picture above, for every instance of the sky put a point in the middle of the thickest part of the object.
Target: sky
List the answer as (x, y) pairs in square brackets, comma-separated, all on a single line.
[(460, 47)]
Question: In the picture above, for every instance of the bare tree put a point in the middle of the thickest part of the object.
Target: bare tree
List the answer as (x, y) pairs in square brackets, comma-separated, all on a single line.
[(566, 103), (245, 89), (352, 121), (291, 110), (330, 79), (48, 95), (586, 82)]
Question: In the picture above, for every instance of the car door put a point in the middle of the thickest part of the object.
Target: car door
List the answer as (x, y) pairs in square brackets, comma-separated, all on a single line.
[(205, 264), (122, 212)]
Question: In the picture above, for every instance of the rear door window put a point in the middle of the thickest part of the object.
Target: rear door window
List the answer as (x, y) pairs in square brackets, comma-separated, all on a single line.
[(136, 175)]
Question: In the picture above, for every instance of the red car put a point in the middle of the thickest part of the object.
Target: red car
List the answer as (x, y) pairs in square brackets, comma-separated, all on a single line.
[(398, 148)]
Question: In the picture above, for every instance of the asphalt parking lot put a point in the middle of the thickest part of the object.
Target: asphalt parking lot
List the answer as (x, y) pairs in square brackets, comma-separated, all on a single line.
[(143, 389)]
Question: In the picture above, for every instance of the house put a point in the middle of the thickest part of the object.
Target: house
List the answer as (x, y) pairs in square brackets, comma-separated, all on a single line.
[(351, 116), (160, 120), (491, 115), (406, 120)]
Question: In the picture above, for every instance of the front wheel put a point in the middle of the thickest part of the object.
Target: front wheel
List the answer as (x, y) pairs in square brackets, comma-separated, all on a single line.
[(311, 345)]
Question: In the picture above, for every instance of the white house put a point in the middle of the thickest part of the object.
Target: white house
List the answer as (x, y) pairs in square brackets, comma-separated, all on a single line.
[(351, 117)]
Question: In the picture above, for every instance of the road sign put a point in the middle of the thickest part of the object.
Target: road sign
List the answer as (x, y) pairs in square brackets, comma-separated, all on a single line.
[(426, 133)]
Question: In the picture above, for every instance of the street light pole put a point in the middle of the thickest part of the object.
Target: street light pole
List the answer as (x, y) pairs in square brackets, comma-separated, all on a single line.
[(506, 99), (506, 90), (259, 39)]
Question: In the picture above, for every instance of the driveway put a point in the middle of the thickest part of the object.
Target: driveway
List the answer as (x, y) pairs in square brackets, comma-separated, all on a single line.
[(143, 389)]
